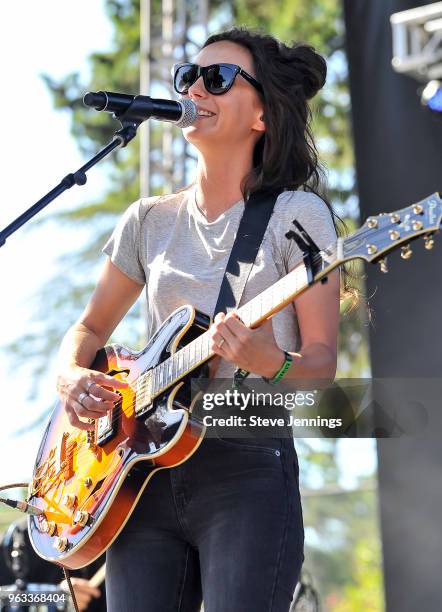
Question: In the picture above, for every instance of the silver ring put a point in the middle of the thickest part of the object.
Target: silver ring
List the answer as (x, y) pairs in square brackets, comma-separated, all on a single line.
[(81, 397), (89, 385), (221, 342)]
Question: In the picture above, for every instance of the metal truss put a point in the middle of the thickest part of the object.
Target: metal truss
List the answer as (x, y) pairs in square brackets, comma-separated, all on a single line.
[(417, 42), (173, 35)]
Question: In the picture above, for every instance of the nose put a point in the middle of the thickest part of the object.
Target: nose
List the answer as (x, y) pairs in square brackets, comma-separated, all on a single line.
[(198, 89)]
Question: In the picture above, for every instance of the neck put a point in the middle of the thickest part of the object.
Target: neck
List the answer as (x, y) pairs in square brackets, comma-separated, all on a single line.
[(218, 181)]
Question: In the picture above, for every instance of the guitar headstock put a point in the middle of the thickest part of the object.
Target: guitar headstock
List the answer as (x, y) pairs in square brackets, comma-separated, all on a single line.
[(385, 232)]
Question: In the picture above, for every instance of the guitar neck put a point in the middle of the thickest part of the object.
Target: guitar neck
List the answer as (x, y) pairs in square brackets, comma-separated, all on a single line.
[(253, 313)]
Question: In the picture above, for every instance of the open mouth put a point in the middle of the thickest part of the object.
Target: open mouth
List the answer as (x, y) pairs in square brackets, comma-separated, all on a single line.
[(205, 114)]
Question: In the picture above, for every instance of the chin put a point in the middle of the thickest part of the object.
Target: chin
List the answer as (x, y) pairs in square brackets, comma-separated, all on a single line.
[(193, 134)]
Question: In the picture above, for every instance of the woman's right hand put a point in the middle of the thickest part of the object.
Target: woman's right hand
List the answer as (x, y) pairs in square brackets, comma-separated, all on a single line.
[(83, 394)]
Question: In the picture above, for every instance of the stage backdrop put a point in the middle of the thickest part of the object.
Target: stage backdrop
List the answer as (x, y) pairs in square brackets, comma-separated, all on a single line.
[(398, 148)]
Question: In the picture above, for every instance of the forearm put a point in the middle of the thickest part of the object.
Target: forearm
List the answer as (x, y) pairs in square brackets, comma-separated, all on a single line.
[(314, 362), (78, 347)]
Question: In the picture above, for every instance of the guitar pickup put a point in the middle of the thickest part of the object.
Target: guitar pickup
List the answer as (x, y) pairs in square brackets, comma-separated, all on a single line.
[(143, 397), (107, 425)]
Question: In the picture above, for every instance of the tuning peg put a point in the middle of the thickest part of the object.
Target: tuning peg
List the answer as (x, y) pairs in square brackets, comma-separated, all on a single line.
[(429, 241), (383, 265), (406, 252)]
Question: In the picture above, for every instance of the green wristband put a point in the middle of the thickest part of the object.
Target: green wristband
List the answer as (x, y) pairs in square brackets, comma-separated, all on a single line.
[(282, 371)]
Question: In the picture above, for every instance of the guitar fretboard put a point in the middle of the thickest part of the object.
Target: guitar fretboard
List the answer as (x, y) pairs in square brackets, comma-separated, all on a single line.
[(191, 356)]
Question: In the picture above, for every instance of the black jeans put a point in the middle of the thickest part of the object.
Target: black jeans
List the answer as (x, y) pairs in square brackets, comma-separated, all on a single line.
[(225, 525)]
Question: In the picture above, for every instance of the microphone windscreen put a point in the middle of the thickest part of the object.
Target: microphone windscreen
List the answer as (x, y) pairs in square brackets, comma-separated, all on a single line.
[(189, 115), (96, 100)]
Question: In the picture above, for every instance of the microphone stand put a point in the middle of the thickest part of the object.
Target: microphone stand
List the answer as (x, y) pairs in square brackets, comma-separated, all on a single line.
[(130, 121)]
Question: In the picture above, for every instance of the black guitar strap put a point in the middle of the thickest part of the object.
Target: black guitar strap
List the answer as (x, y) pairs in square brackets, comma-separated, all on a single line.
[(251, 230), (257, 212)]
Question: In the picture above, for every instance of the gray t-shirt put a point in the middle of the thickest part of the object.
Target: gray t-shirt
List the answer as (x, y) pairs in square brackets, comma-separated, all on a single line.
[(167, 244)]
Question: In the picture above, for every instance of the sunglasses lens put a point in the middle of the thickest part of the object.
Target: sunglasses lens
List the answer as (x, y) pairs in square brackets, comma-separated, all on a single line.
[(184, 77), (219, 77)]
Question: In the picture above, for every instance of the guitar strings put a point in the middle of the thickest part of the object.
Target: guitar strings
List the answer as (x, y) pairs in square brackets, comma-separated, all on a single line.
[(298, 271)]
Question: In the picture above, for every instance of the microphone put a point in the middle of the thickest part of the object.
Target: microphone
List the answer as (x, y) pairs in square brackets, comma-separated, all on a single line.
[(181, 113)]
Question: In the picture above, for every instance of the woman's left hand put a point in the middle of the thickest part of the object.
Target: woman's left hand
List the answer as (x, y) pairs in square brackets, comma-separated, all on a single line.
[(254, 350)]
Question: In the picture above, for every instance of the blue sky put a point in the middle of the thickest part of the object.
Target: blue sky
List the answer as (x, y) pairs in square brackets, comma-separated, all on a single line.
[(56, 38)]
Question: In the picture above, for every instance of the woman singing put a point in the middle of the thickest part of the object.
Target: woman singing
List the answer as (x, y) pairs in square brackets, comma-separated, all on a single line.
[(226, 525)]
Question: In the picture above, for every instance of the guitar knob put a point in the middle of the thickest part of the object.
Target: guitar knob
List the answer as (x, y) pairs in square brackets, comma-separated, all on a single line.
[(429, 241), (81, 517), (406, 252), (60, 543), (383, 265), (69, 500), (48, 527)]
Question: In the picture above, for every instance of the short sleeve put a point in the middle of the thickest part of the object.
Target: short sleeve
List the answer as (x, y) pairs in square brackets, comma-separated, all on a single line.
[(316, 218), (124, 245)]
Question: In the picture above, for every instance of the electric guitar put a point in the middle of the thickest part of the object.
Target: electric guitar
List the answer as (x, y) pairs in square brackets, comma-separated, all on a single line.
[(86, 484)]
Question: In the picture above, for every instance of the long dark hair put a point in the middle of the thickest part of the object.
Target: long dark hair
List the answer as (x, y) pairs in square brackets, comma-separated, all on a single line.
[(286, 156)]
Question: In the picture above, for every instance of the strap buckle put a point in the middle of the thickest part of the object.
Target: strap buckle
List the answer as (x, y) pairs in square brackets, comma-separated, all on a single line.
[(239, 377), (308, 246)]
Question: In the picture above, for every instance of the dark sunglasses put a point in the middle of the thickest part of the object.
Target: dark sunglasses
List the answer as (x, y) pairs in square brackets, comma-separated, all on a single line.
[(218, 78)]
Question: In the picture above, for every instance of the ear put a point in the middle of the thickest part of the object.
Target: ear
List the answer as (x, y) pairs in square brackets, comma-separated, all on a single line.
[(259, 124)]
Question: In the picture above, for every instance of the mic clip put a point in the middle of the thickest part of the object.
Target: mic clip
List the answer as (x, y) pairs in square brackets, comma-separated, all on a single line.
[(309, 249), (127, 132), (130, 120)]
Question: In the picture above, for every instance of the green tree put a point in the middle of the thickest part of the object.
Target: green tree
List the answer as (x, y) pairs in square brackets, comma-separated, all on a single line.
[(344, 552)]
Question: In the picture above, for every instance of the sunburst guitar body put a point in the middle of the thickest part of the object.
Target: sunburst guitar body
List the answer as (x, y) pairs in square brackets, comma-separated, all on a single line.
[(88, 482)]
